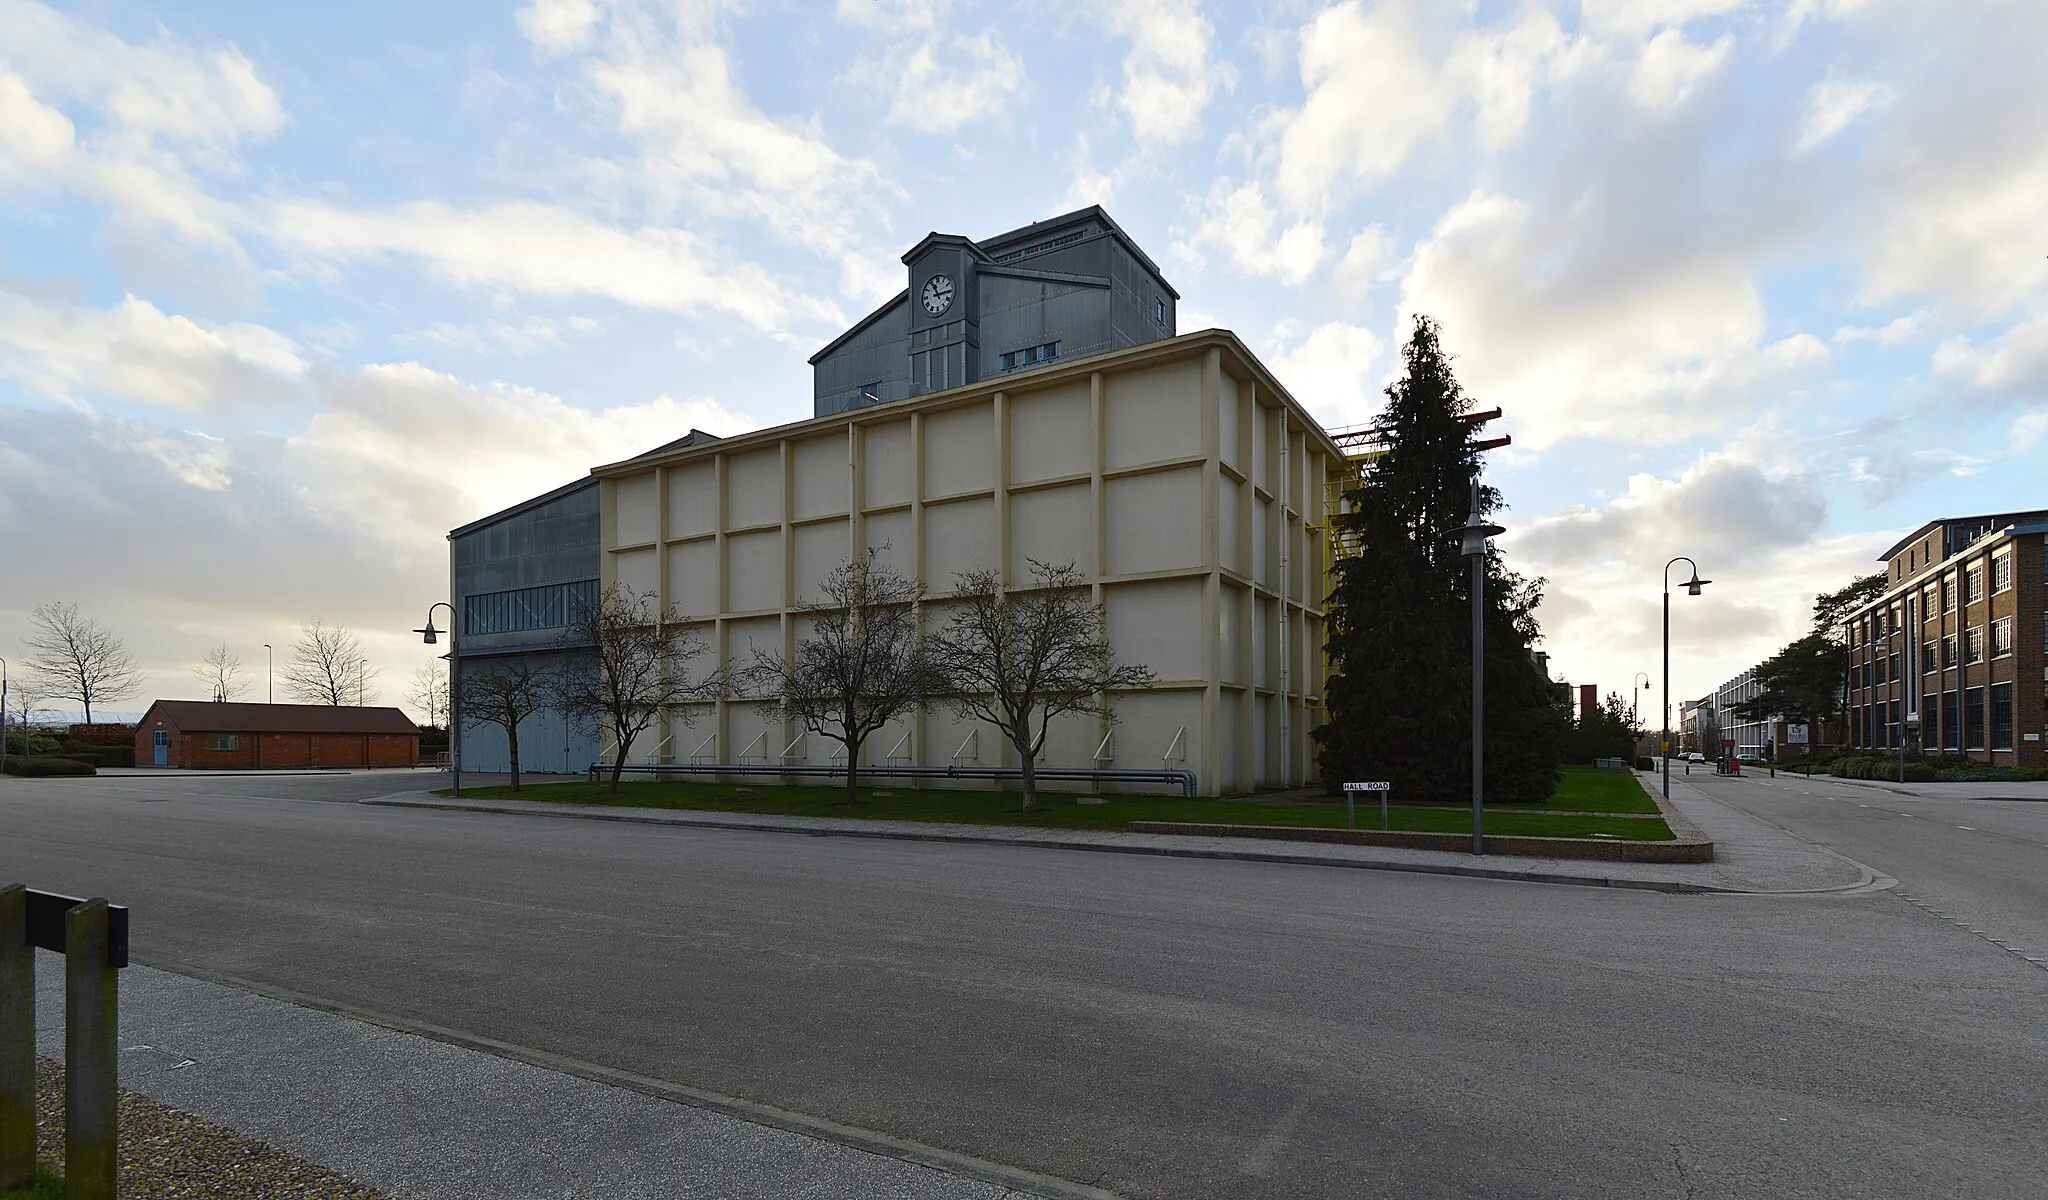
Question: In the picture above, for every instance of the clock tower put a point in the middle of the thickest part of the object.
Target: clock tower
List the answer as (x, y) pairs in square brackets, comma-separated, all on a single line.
[(945, 312)]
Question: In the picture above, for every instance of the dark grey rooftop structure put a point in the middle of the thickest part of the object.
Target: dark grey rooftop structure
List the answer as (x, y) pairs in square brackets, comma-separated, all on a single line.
[(1064, 288)]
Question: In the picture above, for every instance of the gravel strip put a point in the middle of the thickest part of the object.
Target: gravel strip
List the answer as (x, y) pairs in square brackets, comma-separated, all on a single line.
[(171, 1155)]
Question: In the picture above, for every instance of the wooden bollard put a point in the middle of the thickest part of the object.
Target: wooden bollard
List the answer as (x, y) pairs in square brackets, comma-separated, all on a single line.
[(91, 1073), (17, 1041)]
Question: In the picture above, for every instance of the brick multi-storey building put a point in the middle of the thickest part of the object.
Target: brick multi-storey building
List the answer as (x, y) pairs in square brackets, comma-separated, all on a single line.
[(1957, 643)]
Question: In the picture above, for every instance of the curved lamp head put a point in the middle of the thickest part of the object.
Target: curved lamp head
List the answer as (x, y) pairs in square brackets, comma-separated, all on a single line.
[(429, 635), (1693, 585)]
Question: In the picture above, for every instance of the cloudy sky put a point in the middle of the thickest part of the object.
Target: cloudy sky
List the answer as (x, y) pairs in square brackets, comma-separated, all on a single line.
[(289, 290)]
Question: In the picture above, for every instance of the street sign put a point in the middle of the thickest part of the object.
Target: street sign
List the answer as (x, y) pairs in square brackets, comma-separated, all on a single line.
[(1351, 814)]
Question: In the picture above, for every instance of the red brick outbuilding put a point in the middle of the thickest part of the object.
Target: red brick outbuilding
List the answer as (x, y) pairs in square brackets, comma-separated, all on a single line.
[(212, 736)]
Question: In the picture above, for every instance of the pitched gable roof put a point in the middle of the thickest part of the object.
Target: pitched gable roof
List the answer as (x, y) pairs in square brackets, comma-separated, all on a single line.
[(205, 716)]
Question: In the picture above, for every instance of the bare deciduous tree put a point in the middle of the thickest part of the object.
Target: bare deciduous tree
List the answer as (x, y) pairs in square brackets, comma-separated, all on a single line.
[(504, 693), (428, 694), (328, 666), (861, 666), (1020, 658), (635, 668), (221, 672), (74, 658)]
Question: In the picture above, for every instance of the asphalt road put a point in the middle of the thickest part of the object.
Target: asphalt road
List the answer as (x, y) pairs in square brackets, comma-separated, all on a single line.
[(1158, 1027), (1982, 863)]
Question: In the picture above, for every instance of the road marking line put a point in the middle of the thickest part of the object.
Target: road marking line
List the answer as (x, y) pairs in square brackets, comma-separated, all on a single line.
[(1971, 828)]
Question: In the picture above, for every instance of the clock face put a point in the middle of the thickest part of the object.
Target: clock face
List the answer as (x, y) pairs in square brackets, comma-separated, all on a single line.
[(938, 294)]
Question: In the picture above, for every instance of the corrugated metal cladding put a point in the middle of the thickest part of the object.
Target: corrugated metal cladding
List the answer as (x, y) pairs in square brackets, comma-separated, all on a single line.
[(507, 570), (1076, 280)]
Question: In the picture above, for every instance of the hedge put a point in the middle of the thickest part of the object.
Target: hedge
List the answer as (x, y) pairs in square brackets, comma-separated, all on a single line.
[(41, 766), (98, 755)]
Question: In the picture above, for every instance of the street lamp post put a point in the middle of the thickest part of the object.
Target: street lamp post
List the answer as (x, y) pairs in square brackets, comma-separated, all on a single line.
[(431, 636), (1692, 588), (3, 716), (269, 674), (1473, 534)]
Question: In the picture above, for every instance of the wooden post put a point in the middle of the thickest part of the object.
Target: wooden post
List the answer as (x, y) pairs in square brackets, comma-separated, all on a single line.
[(91, 1004), (17, 1041)]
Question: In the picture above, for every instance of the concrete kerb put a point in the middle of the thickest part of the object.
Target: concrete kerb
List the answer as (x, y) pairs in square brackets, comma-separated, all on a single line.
[(1869, 879), (1016, 1179), (1163, 848)]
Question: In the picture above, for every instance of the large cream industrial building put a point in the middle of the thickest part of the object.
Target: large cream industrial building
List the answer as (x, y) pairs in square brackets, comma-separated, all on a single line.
[(1186, 484)]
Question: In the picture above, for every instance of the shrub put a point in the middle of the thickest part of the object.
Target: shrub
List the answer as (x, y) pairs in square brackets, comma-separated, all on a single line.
[(41, 766), (32, 744), (100, 755)]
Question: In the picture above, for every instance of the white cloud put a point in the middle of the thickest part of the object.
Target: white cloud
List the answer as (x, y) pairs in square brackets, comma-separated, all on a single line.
[(542, 250), (1170, 72), (1241, 222), (1089, 185), (1956, 175), (2028, 429), (1384, 81), (1755, 522), (2016, 362), (1831, 105), (84, 112), (137, 353), (1891, 333), (703, 148), (1626, 18), (933, 97), (1329, 371), (1671, 68), (1366, 260), (1585, 330), (559, 25)]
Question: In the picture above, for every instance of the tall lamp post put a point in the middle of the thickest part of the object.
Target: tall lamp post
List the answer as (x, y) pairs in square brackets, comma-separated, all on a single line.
[(269, 674), (1910, 729), (431, 636), (3, 716), (1473, 534), (1633, 689), (1692, 588)]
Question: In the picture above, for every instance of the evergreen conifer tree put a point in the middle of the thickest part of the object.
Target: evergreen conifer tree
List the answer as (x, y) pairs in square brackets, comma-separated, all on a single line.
[(1399, 619)]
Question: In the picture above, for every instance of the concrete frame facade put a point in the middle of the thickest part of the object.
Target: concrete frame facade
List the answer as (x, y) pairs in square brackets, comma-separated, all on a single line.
[(1183, 480)]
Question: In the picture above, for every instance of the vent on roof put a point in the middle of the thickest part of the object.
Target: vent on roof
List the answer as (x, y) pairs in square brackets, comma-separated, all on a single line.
[(1054, 244)]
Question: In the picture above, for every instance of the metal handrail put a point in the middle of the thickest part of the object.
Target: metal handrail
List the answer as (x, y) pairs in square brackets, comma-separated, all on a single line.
[(901, 742), (1108, 740), (972, 739), (1179, 735), (1181, 779), (789, 751), (749, 747), (698, 754)]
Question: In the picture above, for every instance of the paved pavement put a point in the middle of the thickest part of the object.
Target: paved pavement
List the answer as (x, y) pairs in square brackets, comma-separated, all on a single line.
[(1152, 1026), (426, 1119)]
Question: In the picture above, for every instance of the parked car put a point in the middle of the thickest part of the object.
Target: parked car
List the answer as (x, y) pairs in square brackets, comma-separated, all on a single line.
[(1750, 759), (1696, 756)]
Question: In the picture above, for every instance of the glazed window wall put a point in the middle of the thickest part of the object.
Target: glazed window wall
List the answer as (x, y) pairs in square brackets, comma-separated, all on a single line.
[(552, 606), (1973, 718), (1951, 718), (2001, 716)]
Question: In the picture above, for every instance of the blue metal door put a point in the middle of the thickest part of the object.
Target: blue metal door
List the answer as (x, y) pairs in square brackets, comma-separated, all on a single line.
[(161, 740)]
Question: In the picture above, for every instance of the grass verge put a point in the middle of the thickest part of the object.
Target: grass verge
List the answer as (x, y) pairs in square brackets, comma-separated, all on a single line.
[(1064, 811), (45, 1187)]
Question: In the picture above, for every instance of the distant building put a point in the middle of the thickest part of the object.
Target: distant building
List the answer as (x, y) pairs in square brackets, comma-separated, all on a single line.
[(1957, 643), (204, 734)]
